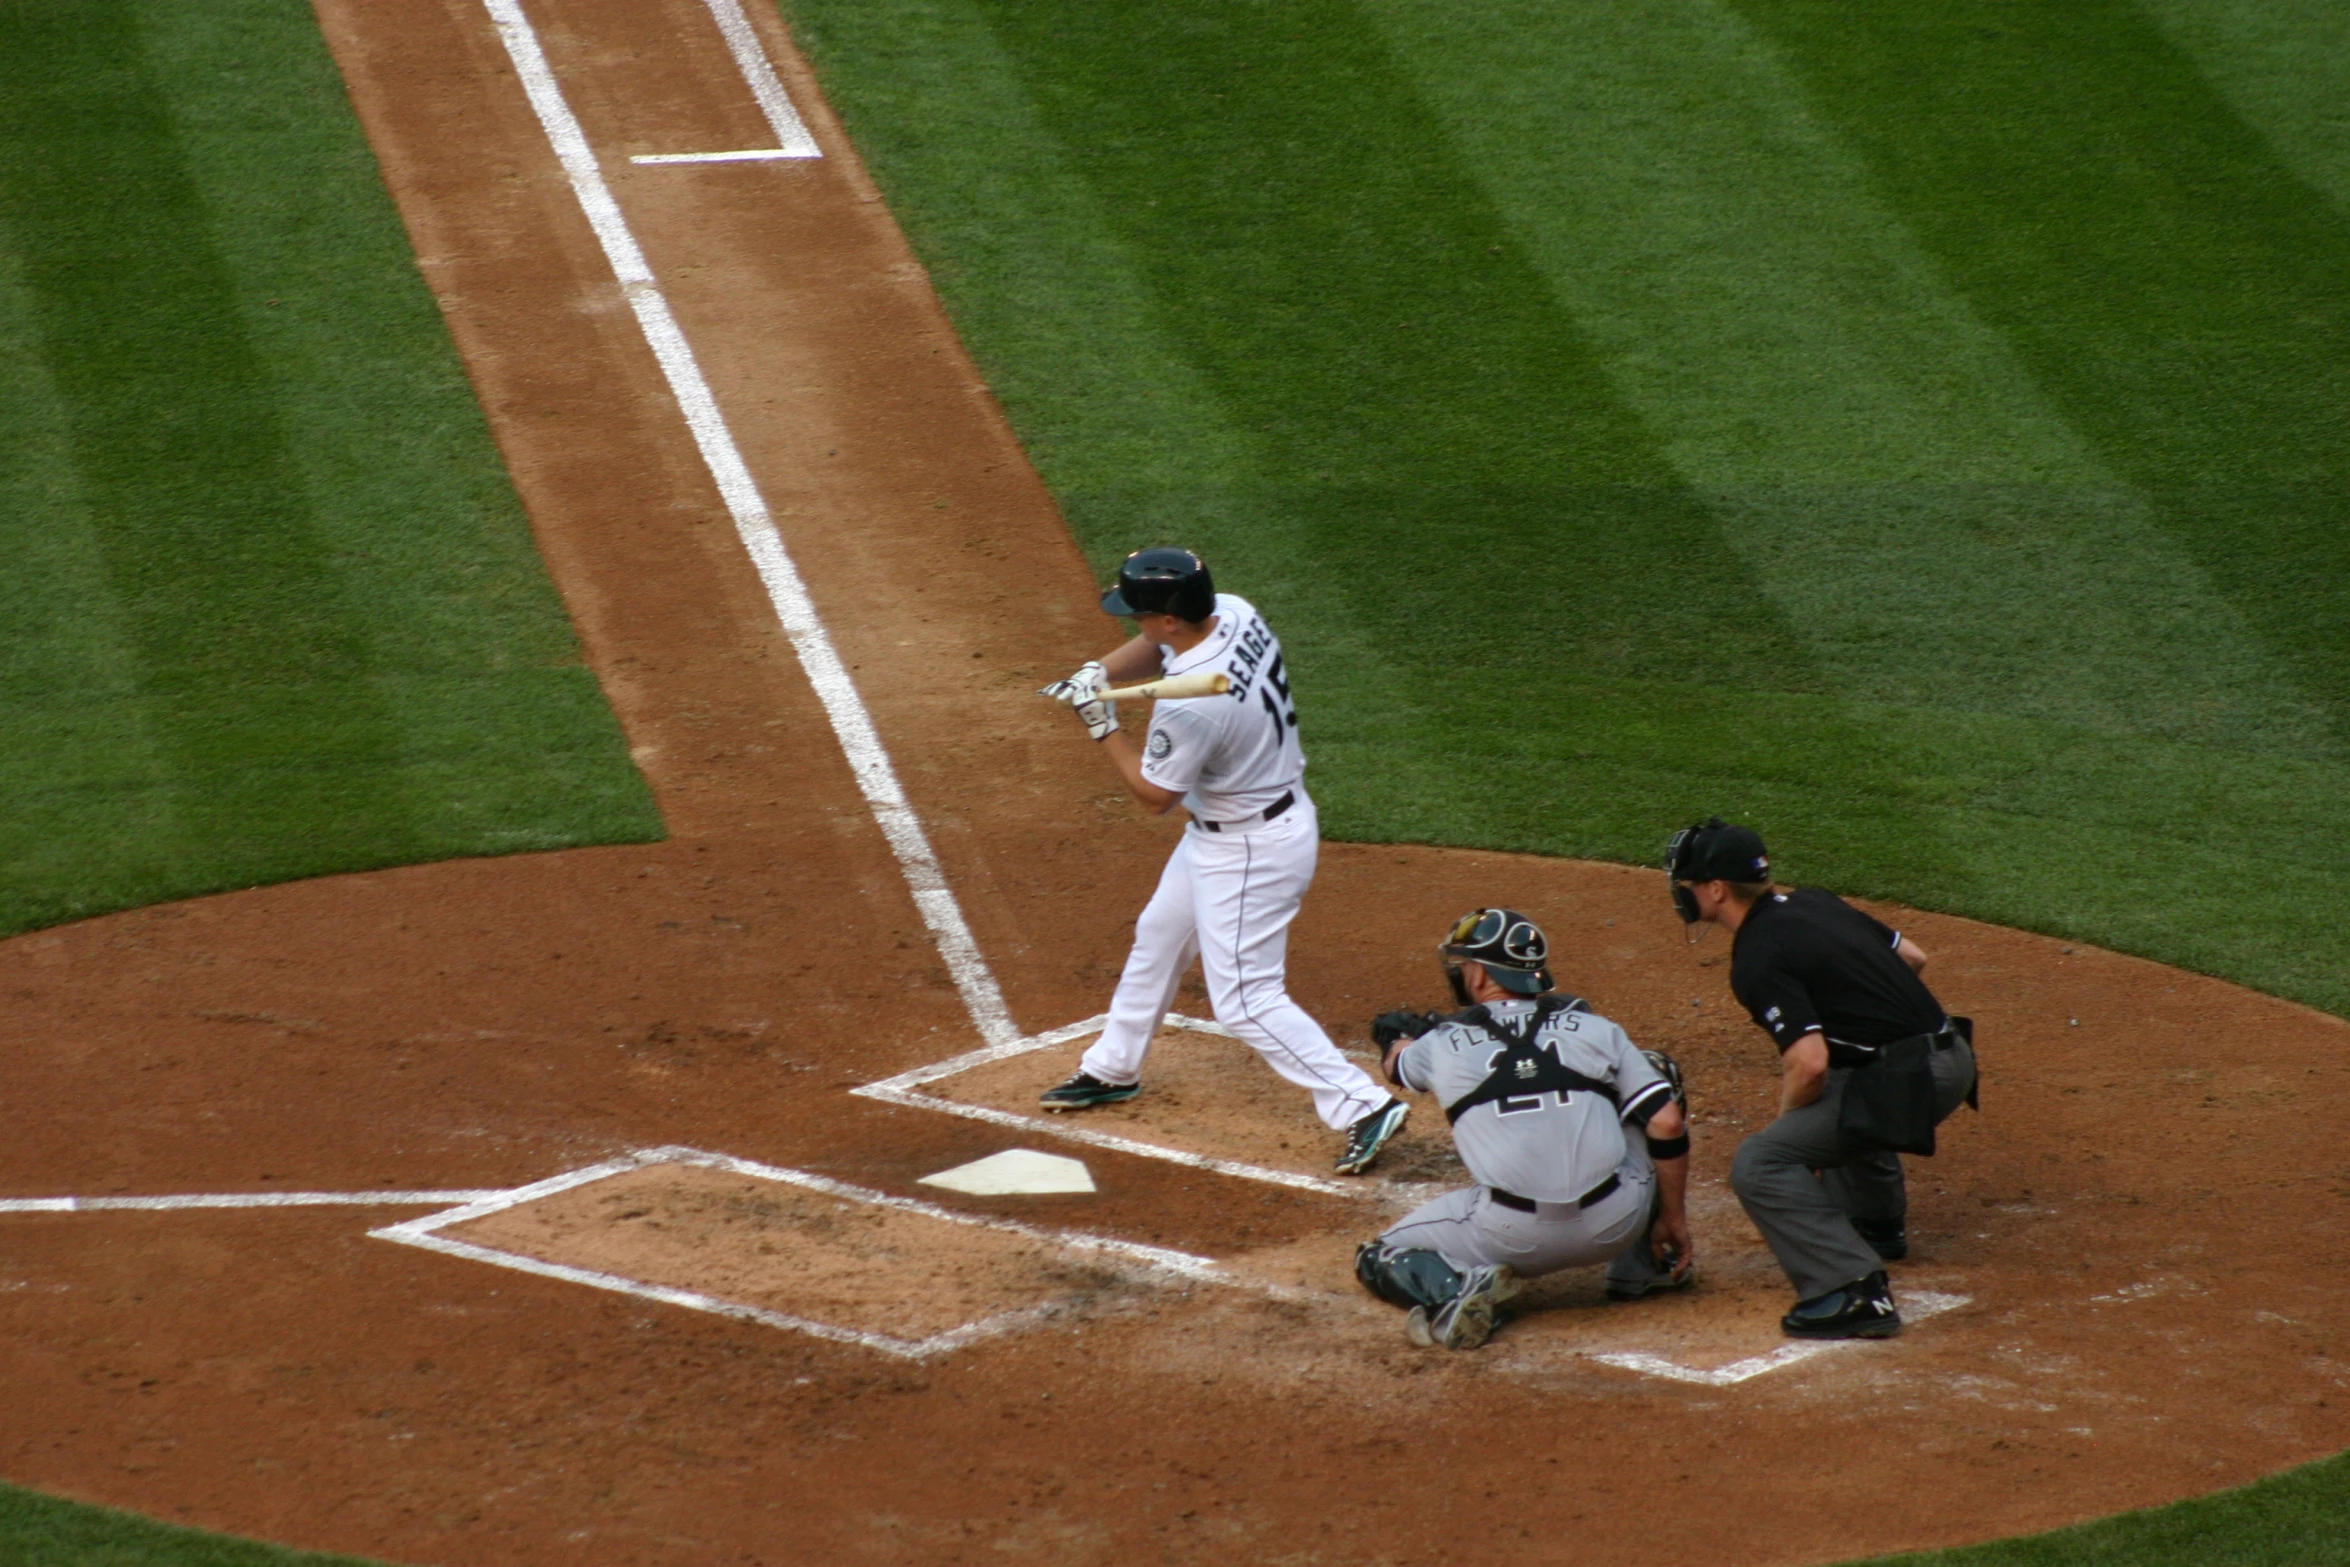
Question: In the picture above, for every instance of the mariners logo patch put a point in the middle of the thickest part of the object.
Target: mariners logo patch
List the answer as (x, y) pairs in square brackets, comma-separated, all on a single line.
[(1161, 744)]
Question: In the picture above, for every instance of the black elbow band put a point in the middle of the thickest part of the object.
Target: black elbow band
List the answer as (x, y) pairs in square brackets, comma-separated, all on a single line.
[(1668, 1147)]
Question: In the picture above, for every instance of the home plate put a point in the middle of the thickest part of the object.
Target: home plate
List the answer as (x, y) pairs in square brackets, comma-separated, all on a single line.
[(1015, 1172)]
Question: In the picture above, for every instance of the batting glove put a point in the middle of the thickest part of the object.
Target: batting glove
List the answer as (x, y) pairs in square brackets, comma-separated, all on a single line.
[(1100, 717), (1079, 687)]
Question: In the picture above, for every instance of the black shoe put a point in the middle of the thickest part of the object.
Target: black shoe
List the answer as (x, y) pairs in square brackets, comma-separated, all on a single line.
[(1888, 1238), (1367, 1136), (1084, 1091), (1863, 1309)]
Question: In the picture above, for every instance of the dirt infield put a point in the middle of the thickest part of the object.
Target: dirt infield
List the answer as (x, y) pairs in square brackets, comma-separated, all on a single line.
[(2144, 1226)]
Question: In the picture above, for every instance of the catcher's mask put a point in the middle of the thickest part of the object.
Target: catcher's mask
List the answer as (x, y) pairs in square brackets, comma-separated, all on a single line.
[(1503, 942), (1712, 850)]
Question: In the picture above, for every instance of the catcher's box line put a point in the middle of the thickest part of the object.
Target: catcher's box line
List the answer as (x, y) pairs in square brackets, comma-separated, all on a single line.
[(423, 1232), (754, 524), (791, 132), (1916, 1307), (902, 1090), (185, 1200)]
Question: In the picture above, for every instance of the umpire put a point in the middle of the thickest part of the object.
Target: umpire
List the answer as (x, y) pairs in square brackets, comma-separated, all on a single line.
[(1870, 1065)]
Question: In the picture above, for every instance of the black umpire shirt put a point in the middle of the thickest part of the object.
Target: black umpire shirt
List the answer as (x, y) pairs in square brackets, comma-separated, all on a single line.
[(1807, 959)]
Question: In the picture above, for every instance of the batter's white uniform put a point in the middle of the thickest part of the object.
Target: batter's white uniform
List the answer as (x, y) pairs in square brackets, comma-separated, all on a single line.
[(1234, 883)]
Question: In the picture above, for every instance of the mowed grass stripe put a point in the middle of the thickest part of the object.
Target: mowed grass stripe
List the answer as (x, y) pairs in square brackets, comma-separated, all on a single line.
[(1941, 691), (2284, 67), (1931, 525), (284, 617), (1415, 460), (225, 593), (2175, 290)]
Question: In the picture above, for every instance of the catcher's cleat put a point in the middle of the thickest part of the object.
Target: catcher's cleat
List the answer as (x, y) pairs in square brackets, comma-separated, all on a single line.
[(1084, 1091), (1367, 1136), (1861, 1309), (1469, 1318), (1660, 1284), (1888, 1238)]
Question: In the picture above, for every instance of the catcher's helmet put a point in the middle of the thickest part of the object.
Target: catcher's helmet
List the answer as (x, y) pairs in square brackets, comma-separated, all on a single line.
[(1163, 582), (1712, 850), (1507, 945)]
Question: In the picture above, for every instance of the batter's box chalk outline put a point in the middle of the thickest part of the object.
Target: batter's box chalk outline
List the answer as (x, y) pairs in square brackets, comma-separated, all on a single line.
[(1157, 1261), (904, 1089), (1916, 1307)]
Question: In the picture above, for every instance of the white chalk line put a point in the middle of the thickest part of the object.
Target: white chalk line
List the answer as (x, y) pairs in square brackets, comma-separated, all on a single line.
[(851, 722), (754, 155), (181, 1201), (903, 1090), (791, 132), (423, 1232), (1916, 1307), (792, 139)]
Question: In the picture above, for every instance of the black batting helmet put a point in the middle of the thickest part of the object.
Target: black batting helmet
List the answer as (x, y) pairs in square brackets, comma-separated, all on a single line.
[(1506, 944), (1163, 581)]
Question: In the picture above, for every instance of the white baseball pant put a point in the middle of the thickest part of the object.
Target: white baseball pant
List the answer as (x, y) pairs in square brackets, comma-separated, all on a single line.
[(1227, 898)]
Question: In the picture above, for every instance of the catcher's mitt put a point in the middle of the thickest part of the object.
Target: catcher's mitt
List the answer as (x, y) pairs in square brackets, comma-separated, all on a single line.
[(1670, 1070), (1388, 1027)]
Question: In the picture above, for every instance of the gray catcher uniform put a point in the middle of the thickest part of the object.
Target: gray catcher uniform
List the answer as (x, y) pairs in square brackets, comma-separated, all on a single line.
[(1540, 1094)]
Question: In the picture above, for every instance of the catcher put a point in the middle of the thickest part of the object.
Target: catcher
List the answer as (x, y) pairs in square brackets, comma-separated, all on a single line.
[(1545, 1097)]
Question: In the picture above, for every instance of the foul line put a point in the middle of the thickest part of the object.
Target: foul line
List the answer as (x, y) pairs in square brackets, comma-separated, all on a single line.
[(423, 1233), (753, 523)]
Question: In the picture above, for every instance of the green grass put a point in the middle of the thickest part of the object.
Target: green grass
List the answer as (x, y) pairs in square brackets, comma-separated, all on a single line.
[(1917, 430), (2287, 1520), (272, 609), (1922, 431), (43, 1531)]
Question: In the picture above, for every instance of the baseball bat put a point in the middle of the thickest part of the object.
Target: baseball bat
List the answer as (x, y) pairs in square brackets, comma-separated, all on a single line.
[(1171, 688)]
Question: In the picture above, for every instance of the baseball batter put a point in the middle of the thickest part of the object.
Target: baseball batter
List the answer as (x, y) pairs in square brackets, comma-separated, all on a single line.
[(1577, 1139), (1235, 881)]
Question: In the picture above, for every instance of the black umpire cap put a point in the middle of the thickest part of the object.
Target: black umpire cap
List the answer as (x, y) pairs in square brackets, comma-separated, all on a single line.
[(1163, 581), (1713, 850)]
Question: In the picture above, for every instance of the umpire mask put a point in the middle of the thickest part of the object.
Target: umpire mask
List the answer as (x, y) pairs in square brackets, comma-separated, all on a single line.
[(1712, 850), (1507, 945)]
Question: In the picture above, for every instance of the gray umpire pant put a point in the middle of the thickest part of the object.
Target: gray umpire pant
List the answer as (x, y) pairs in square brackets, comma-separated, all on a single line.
[(1468, 1229), (1803, 1184)]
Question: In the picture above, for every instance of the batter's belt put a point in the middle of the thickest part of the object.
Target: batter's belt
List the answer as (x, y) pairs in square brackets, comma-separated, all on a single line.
[(1269, 813)]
